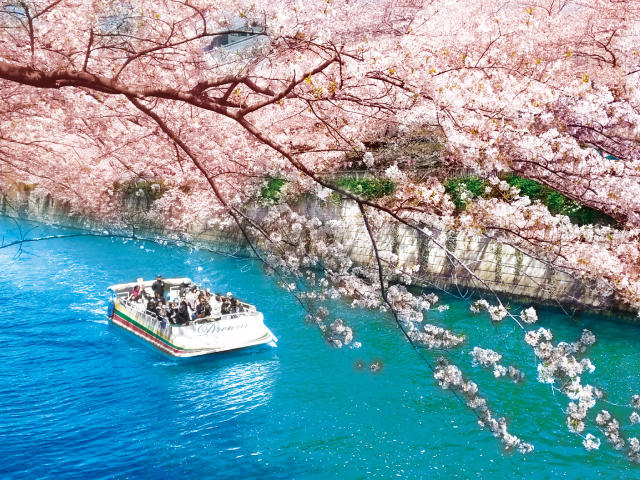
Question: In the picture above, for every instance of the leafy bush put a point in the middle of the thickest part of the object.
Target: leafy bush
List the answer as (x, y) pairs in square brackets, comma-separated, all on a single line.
[(367, 188), (557, 203), (463, 189), (271, 191)]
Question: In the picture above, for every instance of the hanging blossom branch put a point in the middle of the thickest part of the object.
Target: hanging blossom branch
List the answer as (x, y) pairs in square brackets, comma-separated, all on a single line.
[(70, 235), (449, 376)]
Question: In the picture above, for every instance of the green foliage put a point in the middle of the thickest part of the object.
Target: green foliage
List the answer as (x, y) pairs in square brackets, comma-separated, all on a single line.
[(272, 190), (464, 189), (557, 203), (335, 199), (367, 188)]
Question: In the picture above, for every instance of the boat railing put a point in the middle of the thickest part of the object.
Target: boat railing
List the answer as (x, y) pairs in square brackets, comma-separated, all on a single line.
[(134, 308), (123, 298), (227, 316)]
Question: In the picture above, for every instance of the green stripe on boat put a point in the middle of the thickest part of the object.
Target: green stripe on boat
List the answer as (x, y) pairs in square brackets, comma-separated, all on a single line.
[(121, 313)]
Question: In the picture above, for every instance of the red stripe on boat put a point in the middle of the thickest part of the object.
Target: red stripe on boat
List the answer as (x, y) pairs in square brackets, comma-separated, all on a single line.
[(151, 338)]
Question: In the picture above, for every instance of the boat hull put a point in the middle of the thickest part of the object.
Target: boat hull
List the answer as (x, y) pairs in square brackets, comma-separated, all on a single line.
[(239, 331)]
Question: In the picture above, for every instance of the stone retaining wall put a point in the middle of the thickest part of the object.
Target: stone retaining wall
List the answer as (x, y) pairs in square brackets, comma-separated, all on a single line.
[(473, 262), (490, 265)]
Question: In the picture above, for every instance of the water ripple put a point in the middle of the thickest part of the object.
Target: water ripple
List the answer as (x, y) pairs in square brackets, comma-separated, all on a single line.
[(80, 399)]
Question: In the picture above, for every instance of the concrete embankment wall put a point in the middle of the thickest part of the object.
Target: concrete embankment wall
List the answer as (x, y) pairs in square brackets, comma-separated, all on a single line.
[(452, 261), (463, 263), (22, 203)]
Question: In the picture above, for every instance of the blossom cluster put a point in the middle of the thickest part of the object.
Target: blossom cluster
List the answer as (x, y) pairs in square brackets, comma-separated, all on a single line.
[(337, 332), (431, 336), (611, 429), (490, 359), (496, 312), (401, 300), (591, 442), (559, 364), (450, 377), (635, 403), (529, 315)]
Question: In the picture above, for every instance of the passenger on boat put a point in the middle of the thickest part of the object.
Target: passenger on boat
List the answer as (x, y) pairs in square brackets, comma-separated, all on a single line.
[(159, 299), (224, 308), (158, 286), (215, 306), (192, 298), (203, 309), (135, 293), (170, 311), (182, 315), (184, 289), (234, 305), (152, 309)]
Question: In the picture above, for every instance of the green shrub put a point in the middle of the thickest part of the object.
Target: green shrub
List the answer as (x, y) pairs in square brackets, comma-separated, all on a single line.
[(474, 185), (557, 203), (271, 191), (367, 188)]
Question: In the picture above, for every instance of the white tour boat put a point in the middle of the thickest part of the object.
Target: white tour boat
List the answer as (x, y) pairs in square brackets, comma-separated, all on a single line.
[(219, 332)]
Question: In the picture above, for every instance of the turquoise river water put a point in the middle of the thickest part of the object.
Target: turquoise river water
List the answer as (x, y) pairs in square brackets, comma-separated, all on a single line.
[(79, 398)]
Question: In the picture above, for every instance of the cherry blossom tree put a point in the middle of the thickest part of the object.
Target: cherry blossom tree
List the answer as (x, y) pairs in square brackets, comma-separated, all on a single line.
[(100, 95)]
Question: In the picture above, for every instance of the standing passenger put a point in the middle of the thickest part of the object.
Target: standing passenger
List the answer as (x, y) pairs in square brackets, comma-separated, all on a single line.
[(192, 299), (215, 306), (158, 286)]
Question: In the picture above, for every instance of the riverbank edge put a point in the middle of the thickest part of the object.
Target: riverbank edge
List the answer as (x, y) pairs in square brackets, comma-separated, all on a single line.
[(486, 266)]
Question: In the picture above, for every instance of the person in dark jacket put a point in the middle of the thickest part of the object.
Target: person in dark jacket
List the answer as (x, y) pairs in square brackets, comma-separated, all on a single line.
[(152, 309), (159, 299), (226, 306), (203, 309), (158, 286), (182, 315)]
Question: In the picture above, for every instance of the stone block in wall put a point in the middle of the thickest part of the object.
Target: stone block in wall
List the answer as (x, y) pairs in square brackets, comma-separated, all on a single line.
[(436, 262), (408, 254)]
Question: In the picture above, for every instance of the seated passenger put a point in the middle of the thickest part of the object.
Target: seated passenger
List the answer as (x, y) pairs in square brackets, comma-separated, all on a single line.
[(203, 309), (182, 314), (226, 306), (234, 305), (134, 294), (170, 312), (162, 311), (152, 309), (159, 299)]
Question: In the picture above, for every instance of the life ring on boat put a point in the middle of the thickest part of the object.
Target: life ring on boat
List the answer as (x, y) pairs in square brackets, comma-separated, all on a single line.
[(110, 309)]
